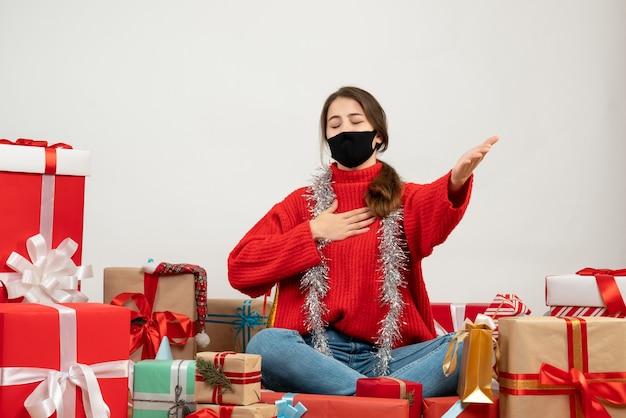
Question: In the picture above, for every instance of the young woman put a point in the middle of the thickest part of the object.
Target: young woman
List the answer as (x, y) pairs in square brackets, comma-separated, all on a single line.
[(345, 255)]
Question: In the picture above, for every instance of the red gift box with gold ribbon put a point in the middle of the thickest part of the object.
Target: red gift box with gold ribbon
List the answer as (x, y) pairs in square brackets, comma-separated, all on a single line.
[(389, 387), (589, 292), (43, 190), (63, 358), (562, 367)]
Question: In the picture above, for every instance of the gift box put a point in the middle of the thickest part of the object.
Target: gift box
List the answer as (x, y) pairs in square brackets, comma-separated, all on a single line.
[(450, 317), (42, 185), (323, 406), (256, 410), (562, 367), (588, 292), (390, 387), (451, 406), (506, 305), (230, 323), (43, 345), (582, 311), (163, 387), (171, 313), (228, 378)]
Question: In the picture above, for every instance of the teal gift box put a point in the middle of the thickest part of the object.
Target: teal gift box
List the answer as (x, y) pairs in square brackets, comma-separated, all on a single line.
[(163, 388)]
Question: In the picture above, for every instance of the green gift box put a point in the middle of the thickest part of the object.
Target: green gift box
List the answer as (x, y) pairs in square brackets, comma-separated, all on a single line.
[(163, 388)]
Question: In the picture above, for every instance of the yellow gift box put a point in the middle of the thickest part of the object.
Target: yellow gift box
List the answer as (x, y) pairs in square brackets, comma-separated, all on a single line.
[(562, 367), (228, 378)]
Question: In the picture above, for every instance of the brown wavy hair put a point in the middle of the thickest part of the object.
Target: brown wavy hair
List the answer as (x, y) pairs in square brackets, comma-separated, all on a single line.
[(384, 194)]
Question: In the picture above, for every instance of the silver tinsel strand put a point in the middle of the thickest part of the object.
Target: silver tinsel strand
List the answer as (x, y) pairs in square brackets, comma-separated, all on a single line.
[(320, 196), (314, 282), (393, 261)]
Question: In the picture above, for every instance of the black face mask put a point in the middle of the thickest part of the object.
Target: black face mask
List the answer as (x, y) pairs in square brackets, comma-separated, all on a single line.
[(351, 149)]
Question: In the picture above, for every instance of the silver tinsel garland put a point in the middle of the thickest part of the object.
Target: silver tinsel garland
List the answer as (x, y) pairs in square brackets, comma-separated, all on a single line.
[(393, 259), (393, 264)]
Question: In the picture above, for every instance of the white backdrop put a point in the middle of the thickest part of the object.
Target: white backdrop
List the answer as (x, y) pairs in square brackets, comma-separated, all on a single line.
[(202, 114)]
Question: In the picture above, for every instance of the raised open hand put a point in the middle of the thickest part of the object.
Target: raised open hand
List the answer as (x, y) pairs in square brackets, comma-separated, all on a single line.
[(468, 162)]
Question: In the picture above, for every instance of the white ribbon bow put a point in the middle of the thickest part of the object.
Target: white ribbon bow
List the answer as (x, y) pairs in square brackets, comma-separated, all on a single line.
[(48, 395), (49, 277)]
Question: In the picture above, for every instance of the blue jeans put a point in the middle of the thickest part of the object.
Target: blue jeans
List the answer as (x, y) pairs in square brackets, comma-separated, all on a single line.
[(289, 363)]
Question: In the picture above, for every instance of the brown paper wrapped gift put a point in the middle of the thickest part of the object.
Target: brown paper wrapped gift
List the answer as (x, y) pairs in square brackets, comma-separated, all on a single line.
[(230, 323), (255, 410), (562, 367), (228, 378), (175, 293)]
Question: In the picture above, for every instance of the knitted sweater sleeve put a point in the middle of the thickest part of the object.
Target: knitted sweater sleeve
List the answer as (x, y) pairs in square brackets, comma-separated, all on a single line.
[(431, 213), (278, 247)]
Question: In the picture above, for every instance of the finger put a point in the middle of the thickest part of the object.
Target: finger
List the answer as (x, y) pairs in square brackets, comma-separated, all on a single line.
[(358, 212), (492, 140), (333, 207)]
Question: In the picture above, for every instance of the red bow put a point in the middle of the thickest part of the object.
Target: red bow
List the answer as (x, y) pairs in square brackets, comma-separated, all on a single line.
[(4, 295), (608, 288), (35, 143), (589, 386), (153, 326)]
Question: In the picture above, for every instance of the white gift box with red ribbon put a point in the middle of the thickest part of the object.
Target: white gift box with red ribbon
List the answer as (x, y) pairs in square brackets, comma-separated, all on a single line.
[(588, 292)]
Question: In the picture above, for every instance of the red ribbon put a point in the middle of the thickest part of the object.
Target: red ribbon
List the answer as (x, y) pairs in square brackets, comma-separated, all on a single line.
[(51, 150), (4, 295), (607, 286), (235, 378), (589, 386), (204, 413), (156, 325)]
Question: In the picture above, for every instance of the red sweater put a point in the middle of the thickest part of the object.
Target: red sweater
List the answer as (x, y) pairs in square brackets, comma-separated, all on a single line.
[(280, 248)]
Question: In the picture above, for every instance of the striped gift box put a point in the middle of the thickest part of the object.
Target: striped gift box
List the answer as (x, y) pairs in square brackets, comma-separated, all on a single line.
[(506, 305), (578, 311)]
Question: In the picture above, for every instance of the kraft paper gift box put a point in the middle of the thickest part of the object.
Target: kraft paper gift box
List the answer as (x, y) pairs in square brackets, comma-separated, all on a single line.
[(389, 387), (163, 387), (42, 345), (562, 367), (256, 410), (227, 378), (323, 406), (437, 407), (43, 192), (588, 292), (230, 323), (174, 294), (450, 317)]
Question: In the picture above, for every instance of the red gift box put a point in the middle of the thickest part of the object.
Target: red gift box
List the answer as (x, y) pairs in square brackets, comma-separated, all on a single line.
[(323, 406), (389, 387), (43, 345), (438, 406), (42, 186), (449, 317)]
